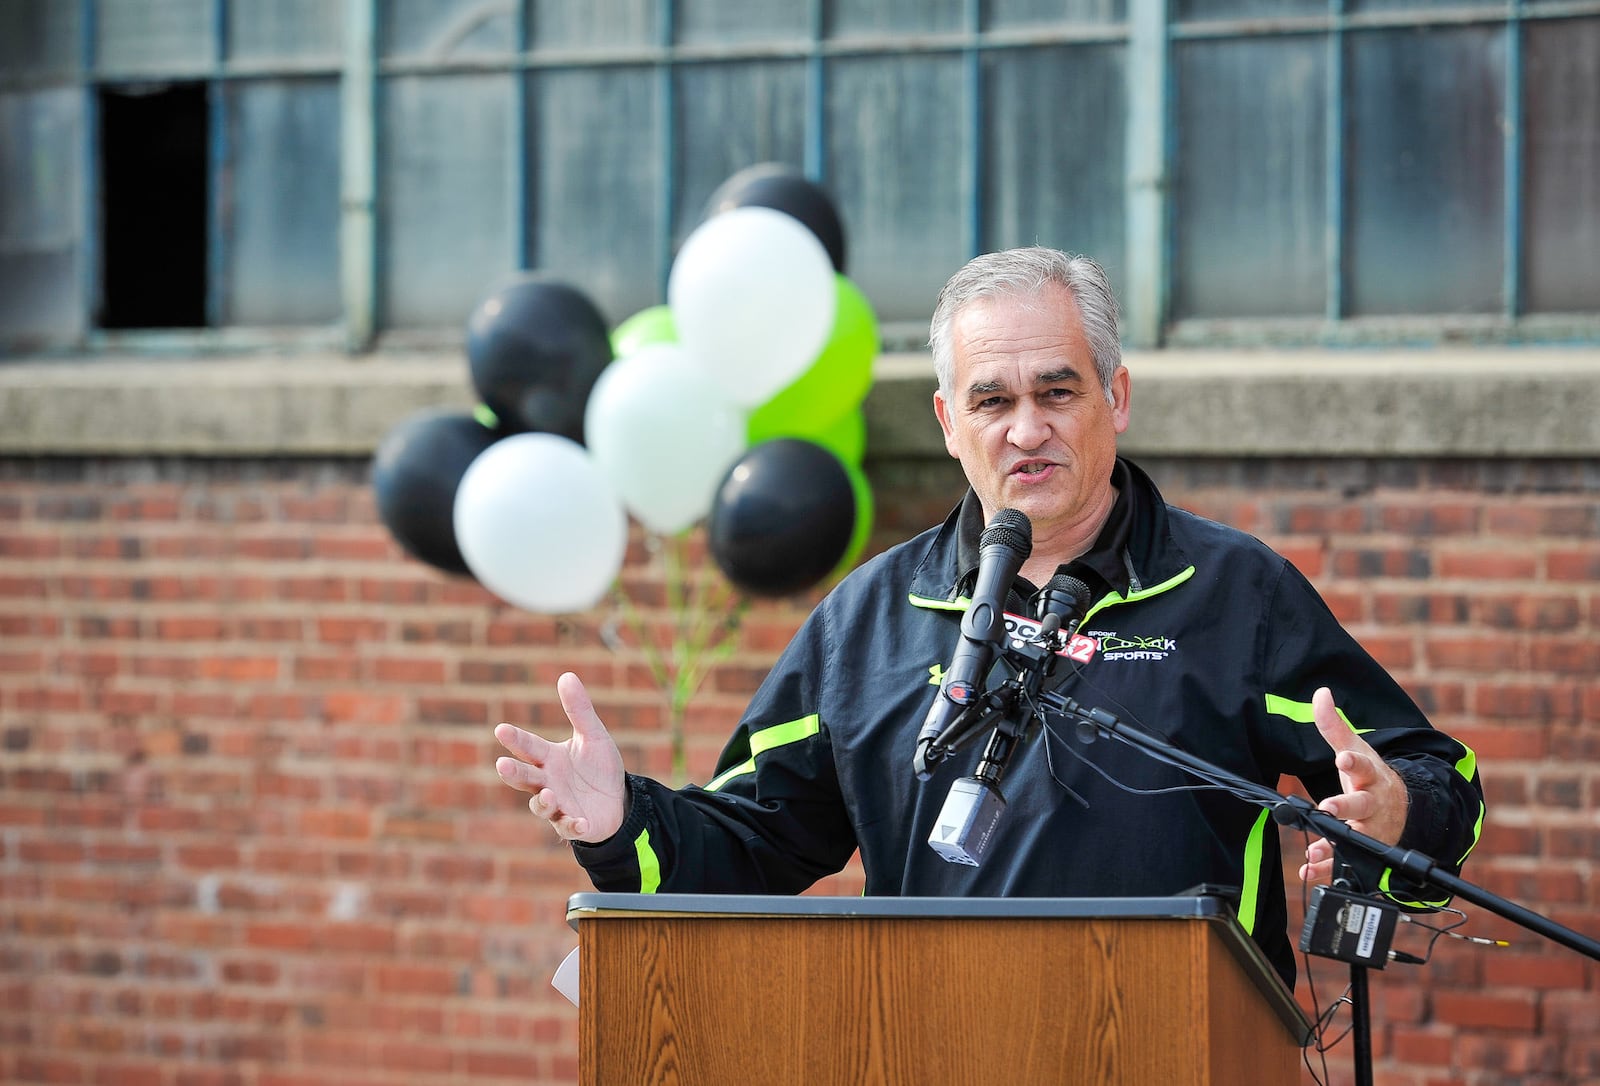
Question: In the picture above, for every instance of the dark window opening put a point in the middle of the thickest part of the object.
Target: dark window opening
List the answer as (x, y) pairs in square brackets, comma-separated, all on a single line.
[(153, 206)]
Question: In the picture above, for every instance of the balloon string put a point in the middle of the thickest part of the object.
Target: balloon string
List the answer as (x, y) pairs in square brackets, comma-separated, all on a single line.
[(705, 617)]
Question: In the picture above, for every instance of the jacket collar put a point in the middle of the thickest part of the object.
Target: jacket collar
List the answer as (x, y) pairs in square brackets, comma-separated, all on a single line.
[(1134, 549)]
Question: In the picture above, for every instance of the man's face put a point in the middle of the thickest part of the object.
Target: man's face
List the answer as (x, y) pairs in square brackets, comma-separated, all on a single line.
[(1026, 414)]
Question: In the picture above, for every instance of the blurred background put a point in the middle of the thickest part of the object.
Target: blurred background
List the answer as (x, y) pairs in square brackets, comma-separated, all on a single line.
[(250, 831)]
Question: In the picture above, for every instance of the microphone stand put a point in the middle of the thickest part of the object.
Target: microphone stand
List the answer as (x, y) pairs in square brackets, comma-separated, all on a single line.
[(1032, 655), (1032, 661), (1297, 811), (965, 824)]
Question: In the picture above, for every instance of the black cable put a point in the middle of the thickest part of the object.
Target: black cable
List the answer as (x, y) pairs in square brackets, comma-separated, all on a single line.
[(1311, 987), (1130, 789), (1131, 717), (1450, 930)]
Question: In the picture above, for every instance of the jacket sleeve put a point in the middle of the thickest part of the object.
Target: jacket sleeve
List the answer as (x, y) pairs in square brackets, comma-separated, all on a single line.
[(771, 820), (1304, 647)]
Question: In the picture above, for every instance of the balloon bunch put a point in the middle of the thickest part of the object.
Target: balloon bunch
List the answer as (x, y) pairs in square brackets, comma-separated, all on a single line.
[(737, 403)]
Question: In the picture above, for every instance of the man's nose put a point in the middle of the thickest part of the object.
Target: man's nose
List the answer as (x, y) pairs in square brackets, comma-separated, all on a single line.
[(1030, 427)]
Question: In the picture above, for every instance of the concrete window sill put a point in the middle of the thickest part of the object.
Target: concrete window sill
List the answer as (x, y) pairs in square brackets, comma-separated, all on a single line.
[(1467, 402)]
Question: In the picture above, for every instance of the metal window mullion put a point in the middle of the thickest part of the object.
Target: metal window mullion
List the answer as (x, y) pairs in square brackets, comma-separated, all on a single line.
[(1511, 287), (972, 70), (217, 152), (666, 125), (358, 258), (815, 151), (517, 159), (89, 291), (1333, 142), (1145, 294)]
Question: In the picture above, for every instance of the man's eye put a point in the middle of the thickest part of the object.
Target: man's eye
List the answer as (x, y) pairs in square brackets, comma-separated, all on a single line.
[(990, 401)]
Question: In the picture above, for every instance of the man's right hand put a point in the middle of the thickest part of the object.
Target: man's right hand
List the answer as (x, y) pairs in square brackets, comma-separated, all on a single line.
[(577, 786)]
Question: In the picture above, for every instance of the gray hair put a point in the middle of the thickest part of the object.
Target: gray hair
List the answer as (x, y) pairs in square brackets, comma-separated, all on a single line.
[(1020, 273)]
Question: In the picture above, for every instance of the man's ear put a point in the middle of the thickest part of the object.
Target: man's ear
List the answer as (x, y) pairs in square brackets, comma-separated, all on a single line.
[(941, 410), (1121, 399)]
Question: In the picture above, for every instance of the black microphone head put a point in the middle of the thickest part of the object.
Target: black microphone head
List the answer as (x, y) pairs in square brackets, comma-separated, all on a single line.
[(1011, 529), (1064, 596), (1071, 588)]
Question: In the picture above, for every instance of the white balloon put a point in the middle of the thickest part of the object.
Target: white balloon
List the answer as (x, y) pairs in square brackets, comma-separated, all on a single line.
[(663, 434), (752, 296), (538, 525)]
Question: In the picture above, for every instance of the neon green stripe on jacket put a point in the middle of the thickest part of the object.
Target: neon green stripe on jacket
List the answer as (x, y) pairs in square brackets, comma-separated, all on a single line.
[(1302, 712), (962, 603), (649, 863), (766, 739), (1250, 890)]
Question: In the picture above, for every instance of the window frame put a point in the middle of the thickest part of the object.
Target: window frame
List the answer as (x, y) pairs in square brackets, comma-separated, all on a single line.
[(1149, 32)]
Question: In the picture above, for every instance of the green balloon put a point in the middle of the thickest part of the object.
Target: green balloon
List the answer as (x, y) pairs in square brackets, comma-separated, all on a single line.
[(845, 437), (648, 326), (835, 382), (863, 528)]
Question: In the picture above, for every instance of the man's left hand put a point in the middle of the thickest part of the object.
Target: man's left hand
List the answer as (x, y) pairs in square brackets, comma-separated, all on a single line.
[(1373, 799)]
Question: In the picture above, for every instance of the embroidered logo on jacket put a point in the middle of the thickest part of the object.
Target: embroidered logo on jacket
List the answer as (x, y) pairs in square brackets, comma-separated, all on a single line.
[(1115, 646)]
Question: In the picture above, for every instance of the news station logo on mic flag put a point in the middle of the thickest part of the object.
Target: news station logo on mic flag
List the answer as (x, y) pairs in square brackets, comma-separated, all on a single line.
[(1079, 648)]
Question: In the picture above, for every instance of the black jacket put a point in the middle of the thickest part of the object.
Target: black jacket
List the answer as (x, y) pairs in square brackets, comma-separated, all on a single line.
[(1207, 638)]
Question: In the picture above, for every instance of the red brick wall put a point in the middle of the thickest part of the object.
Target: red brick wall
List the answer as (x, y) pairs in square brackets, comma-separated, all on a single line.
[(250, 831)]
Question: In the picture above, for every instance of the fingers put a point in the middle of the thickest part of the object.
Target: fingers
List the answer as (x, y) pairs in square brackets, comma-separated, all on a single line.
[(1351, 752), (1334, 730), (525, 771), (569, 827), (1372, 798), (524, 744), (577, 785), (579, 707), (1319, 862), (520, 775), (1358, 764), (1317, 873)]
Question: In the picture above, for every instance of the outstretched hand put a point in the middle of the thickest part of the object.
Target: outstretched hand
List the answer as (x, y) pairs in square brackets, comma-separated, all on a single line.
[(578, 785), (1373, 799)]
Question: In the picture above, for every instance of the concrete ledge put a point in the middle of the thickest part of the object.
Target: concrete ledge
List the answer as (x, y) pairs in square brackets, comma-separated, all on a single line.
[(1469, 402), (1524, 402)]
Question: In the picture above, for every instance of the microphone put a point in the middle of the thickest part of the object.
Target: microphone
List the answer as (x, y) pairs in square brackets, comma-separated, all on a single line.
[(966, 823), (1003, 547), (1065, 597)]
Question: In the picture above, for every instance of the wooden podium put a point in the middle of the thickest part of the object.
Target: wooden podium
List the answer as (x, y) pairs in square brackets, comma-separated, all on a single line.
[(712, 989)]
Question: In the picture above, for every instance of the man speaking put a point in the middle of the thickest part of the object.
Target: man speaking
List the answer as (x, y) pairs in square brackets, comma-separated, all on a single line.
[(1192, 630)]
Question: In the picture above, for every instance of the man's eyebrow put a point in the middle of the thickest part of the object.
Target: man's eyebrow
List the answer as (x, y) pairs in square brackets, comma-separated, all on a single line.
[(1062, 374)]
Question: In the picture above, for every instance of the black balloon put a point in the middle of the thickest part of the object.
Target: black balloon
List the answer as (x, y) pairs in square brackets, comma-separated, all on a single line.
[(535, 347), (782, 518), (785, 189), (415, 473)]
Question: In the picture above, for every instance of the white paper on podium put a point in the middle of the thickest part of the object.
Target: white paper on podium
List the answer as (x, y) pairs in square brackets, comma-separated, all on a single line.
[(566, 979)]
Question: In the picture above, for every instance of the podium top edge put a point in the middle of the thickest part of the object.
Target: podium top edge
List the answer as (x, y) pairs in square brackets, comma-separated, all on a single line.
[(584, 905)]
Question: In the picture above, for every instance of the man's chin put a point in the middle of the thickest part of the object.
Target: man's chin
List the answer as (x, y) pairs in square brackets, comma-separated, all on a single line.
[(1036, 506)]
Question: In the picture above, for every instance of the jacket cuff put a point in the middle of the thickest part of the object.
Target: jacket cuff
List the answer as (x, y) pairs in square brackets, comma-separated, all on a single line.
[(619, 846), (1425, 830), (1425, 812)]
